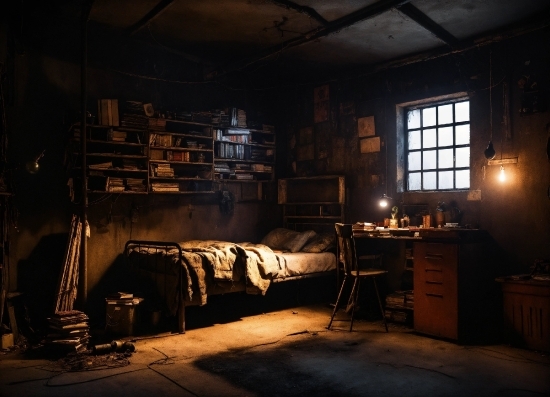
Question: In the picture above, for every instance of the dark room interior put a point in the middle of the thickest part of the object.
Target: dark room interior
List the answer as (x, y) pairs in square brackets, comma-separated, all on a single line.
[(275, 197)]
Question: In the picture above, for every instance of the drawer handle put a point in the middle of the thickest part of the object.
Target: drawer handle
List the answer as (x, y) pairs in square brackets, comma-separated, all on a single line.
[(435, 295), (434, 256), (433, 270), (434, 282)]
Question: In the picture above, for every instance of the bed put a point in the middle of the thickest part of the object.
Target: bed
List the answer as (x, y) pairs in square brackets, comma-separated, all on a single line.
[(185, 273)]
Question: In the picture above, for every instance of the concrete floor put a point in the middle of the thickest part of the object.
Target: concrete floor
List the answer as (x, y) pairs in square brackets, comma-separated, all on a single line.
[(284, 353)]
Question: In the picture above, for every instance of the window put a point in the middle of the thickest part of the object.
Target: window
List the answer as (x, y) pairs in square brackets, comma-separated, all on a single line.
[(437, 142)]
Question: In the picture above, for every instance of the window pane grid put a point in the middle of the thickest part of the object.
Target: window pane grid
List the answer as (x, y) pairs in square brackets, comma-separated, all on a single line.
[(439, 156)]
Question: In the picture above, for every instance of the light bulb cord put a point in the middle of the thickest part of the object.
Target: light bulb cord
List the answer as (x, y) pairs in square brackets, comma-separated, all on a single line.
[(491, 95)]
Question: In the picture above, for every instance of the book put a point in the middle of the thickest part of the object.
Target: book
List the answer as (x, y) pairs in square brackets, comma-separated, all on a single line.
[(120, 295), (83, 325), (108, 112), (132, 301)]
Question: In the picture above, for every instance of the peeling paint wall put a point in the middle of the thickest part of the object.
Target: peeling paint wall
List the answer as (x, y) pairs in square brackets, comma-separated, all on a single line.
[(516, 213)]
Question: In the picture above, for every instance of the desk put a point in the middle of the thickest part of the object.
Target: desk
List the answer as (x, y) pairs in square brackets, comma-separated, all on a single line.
[(454, 288)]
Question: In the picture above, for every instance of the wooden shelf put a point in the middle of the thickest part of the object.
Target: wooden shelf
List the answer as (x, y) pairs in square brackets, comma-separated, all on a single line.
[(179, 149), (298, 195), (97, 136), (261, 145), (118, 156), (116, 143), (179, 134)]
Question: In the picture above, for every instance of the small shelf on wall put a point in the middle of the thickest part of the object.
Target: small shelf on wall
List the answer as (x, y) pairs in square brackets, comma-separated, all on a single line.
[(312, 202)]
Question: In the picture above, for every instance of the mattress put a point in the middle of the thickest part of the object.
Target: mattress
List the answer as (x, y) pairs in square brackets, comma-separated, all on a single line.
[(302, 263)]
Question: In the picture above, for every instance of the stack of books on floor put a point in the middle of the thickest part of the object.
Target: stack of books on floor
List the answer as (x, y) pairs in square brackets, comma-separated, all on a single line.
[(68, 331), (165, 187), (399, 307)]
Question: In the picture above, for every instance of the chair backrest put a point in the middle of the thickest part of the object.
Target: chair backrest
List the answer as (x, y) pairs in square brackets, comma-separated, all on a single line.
[(346, 247)]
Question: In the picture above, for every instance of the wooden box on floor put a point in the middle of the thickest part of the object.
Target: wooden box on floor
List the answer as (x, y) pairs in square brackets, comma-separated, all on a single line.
[(526, 305)]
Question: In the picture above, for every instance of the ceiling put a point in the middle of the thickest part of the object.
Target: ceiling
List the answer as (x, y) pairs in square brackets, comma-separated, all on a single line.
[(298, 37), (348, 33)]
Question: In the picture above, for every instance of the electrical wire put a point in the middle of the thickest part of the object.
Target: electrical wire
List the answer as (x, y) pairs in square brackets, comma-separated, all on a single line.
[(167, 361), (491, 95)]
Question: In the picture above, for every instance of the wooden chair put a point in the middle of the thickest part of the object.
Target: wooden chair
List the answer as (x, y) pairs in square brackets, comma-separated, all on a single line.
[(347, 255)]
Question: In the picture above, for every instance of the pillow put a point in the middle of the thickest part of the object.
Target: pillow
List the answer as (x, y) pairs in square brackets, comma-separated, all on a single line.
[(320, 243), (286, 239), (296, 243)]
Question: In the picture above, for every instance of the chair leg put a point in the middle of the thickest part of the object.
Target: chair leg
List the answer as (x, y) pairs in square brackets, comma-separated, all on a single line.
[(337, 302), (380, 304), (350, 304), (354, 295)]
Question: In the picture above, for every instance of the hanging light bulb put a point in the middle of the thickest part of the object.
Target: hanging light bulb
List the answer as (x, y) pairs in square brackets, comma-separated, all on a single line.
[(33, 166), (490, 151), (502, 174), (384, 200)]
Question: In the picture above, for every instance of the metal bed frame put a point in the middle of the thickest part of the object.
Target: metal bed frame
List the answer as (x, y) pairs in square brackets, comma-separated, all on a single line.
[(160, 267)]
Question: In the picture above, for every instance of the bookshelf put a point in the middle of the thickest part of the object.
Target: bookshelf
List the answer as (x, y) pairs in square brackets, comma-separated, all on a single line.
[(181, 157), (244, 155), (312, 202), (116, 159), (162, 155)]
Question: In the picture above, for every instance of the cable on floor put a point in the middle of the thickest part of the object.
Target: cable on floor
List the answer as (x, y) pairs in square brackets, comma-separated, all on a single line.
[(167, 361)]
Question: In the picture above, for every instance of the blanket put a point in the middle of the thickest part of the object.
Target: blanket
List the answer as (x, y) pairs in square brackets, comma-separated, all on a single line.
[(206, 261)]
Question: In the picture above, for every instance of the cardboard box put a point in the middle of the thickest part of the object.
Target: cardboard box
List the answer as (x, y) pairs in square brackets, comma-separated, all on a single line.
[(7, 341)]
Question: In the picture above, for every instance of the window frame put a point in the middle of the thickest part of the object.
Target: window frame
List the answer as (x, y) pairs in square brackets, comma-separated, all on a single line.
[(403, 143)]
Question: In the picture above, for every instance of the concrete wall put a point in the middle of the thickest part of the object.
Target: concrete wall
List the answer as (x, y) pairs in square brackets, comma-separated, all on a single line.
[(46, 99), (515, 213)]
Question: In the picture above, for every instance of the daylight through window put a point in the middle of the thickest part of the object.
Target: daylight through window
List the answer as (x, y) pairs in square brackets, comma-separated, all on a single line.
[(438, 147)]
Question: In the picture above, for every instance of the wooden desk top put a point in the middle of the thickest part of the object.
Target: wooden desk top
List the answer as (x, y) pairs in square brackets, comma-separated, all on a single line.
[(430, 234)]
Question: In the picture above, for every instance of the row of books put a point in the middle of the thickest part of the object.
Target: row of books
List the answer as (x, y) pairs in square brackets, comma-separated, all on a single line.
[(113, 184), (163, 170), (176, 155), (134, 116), (239, 137), (229, 151), (237, 117), (400, 306), (130, 165), (68, 331)]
